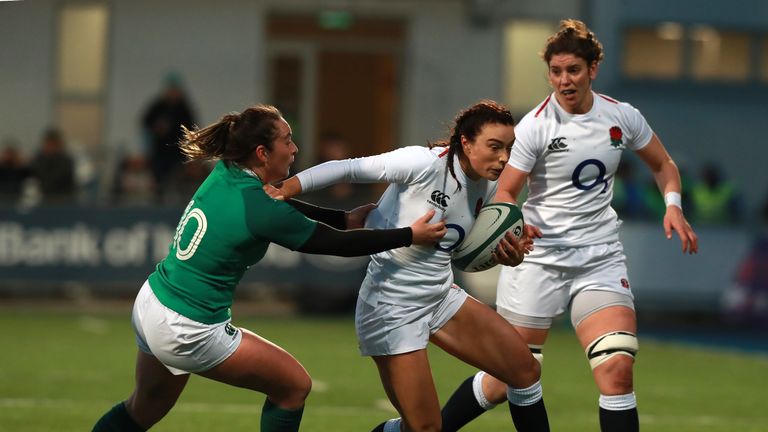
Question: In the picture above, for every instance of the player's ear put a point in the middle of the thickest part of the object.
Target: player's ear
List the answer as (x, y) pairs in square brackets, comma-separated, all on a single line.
[(262, 153), (593, 69), (465, 143)]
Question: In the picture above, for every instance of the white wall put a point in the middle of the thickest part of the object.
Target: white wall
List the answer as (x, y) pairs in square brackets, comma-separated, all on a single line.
[(450, 61), (217, 47), (449, 64), (26, 70)]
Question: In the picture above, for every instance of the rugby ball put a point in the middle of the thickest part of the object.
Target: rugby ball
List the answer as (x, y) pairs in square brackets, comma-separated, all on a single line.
[(474, 254)]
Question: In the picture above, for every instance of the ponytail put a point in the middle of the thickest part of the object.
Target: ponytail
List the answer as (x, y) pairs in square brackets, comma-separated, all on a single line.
[(234, 137)]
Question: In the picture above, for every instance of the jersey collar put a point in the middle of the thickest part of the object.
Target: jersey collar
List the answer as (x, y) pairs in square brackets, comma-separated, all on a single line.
[(561, 110)]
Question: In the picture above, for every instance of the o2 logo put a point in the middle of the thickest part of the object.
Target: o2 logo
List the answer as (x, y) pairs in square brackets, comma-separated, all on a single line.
[(458, 241), (600, 179)]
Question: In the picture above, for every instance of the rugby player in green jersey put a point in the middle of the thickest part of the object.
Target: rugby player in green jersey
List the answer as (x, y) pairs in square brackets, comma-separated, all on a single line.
[(181, 316)]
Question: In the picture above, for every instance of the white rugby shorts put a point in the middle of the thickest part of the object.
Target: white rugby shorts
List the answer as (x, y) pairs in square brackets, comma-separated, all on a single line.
[(544, 284), (181, 344), (388, 329)]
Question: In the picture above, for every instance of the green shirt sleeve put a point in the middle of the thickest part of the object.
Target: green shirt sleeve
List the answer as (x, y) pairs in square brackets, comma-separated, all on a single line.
[(276, 221)]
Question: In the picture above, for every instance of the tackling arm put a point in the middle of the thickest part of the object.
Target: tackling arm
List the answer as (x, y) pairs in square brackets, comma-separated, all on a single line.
[(332, 217), (330, 241)]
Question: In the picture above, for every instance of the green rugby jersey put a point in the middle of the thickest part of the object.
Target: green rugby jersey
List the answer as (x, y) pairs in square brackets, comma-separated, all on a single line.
[(226, 228)]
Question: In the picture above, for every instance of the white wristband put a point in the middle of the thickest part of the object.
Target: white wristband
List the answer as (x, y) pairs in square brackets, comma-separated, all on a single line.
[(673, 198)]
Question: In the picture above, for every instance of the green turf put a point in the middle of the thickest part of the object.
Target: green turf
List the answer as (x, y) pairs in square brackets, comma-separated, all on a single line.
[(61, 371)]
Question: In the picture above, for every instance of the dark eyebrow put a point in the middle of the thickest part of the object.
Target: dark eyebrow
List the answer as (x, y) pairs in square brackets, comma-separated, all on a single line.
[(498, 141)]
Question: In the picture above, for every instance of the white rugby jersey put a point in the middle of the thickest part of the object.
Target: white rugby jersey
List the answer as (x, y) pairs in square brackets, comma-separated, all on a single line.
[(419, 181), (572, 159)]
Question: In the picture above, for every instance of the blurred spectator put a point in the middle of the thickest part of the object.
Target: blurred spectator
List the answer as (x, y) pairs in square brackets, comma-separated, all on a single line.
[(627, 193), (330, 147), (162, 121), (134, 182), (187, 181), (13, 172), (653, 202), (746, 301), (715, 201), (54, 168), (87, 173)]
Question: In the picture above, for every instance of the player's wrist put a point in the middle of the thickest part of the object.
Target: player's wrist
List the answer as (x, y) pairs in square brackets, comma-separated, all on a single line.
[(412, 235), (673, 199)]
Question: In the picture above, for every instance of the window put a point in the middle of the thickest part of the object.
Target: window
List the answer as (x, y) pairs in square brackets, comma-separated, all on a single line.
[(654, 52), (671, 51), (764, 59), (525, 74), (81, 71), (719, 55)]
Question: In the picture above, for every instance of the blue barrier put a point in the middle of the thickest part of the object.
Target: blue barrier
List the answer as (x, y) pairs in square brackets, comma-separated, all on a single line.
[(99, 245), (93, 245)]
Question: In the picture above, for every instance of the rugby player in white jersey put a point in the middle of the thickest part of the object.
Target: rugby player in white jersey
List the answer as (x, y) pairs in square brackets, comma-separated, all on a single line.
[(181, 316), (568, 149), (408, 297)]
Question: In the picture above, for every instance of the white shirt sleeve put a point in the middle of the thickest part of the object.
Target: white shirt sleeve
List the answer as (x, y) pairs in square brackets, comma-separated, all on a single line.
[(638, 131), (524, 150), (401, 166)]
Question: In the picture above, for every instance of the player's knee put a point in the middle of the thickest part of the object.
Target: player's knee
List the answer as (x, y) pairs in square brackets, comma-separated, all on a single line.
[(524, 374), (615, 376), (532, 372), (610, 345), (535, 366), (292, 393), (302, 387), (148, 404)]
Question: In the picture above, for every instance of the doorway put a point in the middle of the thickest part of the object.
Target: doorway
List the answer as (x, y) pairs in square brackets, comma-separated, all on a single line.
[(338, 78)]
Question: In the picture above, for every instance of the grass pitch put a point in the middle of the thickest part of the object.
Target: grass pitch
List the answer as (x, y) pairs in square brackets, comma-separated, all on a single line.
[(60, 371)]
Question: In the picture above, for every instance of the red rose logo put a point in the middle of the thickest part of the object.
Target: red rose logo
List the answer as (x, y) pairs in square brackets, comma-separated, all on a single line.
[(616, 135)]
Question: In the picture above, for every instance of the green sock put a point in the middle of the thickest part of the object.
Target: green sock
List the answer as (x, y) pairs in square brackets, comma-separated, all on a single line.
[(117, 420), (276, 419)]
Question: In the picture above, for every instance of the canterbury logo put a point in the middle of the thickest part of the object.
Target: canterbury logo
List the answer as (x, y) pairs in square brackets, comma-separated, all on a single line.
[(440, 198), (557, 145)]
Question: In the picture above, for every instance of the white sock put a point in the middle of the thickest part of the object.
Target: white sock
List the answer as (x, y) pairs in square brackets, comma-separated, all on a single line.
[(618, 402), (477, 388), (525, 396)]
